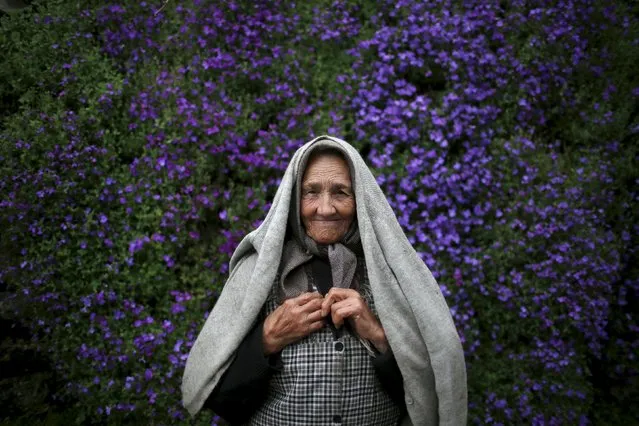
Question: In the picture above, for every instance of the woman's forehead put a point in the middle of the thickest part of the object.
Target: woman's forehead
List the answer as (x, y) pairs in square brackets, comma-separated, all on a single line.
[(327, 165)]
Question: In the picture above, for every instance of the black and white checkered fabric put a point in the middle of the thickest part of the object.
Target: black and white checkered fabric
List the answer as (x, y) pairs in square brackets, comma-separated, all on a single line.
[(326, 381)]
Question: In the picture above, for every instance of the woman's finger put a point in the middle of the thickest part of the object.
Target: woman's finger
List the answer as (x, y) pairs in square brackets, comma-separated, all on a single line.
[(336, 294), (304, 298), (314, 316), (342, 293), (314, 326), (356, 302), (326, 304), (312, 305), (342, 310), (357, 312), (342, 314)]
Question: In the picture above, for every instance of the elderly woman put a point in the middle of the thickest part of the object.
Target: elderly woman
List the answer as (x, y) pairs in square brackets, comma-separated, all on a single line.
[(329, 316)]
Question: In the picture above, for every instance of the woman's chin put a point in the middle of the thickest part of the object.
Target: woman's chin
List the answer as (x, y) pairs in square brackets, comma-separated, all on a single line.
[(325, 239)]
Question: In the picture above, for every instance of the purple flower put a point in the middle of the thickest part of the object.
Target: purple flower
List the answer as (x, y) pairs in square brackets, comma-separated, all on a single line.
[(177, 308), (500, 404), (137, 244)]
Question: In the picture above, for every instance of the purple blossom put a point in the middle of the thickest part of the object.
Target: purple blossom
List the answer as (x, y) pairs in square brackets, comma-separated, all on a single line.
[(456, 108), (158, 238), (168, 260)]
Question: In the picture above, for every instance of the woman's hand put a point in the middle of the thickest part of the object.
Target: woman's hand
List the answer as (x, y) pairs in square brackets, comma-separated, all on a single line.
[(347, 304), (291, 321)]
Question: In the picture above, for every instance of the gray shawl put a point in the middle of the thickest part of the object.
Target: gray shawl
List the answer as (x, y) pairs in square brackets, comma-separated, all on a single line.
[(411, 307)]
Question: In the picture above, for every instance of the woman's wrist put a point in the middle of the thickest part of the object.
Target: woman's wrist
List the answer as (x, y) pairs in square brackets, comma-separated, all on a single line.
[(380, 342), (268, 342)]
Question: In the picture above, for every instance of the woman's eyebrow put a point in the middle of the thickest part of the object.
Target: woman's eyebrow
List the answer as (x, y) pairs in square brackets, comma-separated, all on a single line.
[(334, 186), (337, 186), (311, 185)]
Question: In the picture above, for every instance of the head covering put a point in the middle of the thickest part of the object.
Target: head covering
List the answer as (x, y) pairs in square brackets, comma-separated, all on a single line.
[(342, 255), (351, 239), (417, 322)]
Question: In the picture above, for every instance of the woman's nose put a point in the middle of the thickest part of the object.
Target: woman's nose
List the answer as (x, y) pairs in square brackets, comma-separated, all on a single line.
[(326, 207)]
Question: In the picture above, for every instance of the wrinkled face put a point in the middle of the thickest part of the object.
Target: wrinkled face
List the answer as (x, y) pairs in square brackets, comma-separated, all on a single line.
[(328, 201)]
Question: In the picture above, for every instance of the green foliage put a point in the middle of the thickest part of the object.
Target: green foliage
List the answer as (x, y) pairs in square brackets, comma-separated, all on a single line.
[(111, 256)]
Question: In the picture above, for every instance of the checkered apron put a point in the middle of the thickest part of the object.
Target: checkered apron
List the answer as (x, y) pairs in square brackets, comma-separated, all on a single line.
[(326, 380)]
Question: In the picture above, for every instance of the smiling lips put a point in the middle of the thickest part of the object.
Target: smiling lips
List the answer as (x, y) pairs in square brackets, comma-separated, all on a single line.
[(326, 221)]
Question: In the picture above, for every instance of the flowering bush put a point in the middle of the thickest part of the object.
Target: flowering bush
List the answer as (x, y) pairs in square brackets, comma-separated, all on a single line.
[(139, 143)]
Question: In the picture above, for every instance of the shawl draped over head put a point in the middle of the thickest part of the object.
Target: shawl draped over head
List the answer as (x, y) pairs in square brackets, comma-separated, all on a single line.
[(411, 308)]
